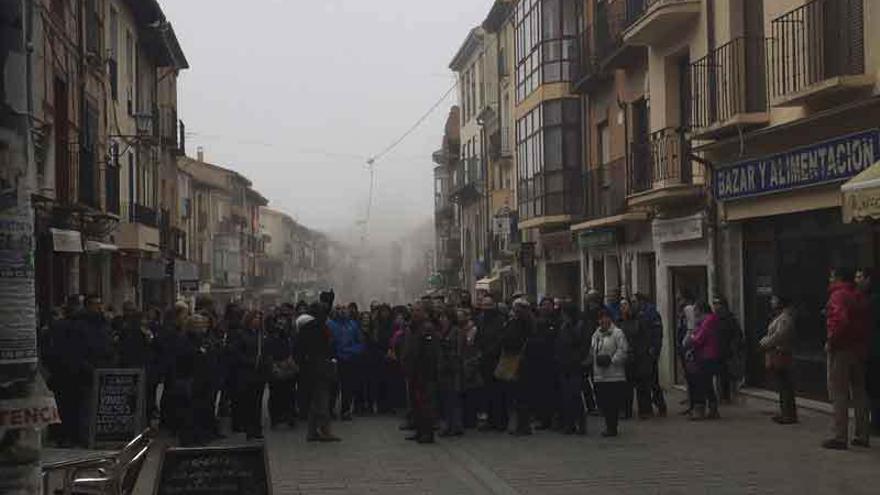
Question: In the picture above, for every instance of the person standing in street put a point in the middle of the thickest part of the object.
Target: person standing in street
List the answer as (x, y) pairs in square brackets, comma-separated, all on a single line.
[(572, 348), (705, 344), (651, 320), (280, 341), (420, 358), (249, 366), (609, 351), (450, 372), (864, 281), (638, 363), (731, 347), (347, 341), (317, 371), (777, 346), (515, 345), (472, 375), (847, 324), (543, 390), (490, 331)]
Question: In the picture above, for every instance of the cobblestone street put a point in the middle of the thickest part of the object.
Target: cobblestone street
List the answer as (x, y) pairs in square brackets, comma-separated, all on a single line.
[(744, 453)]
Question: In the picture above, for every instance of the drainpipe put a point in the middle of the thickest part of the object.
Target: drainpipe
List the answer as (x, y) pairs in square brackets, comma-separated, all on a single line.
[(711, 211)]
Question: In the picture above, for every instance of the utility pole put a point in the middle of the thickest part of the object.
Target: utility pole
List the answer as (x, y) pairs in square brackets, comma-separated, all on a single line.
[(25, 404)]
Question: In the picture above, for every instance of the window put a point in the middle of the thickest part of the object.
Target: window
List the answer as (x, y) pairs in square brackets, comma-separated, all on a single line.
[(93, 37), (88, 157), (603, 134), (130, 70), (545, 43), (113, 64), (548, 152)]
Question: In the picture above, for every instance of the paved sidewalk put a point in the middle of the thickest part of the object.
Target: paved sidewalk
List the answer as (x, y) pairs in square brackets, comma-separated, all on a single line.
[(743, 453)]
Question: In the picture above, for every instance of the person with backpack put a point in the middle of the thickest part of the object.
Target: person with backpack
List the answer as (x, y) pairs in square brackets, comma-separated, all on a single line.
[(847, 315)]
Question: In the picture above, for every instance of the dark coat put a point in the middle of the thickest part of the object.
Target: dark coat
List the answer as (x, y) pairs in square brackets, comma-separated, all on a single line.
[(638, 339), (314, 352), (572, 346), (450, 367), (490, 334), (133, 346)]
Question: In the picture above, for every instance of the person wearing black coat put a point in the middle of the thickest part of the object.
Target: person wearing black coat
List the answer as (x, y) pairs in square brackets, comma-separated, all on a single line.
[(517, 334), (249, 366), (639, 365), (572, 348), (314, 353), (490, 331), (420, 362), (280, 341), (543, 392)]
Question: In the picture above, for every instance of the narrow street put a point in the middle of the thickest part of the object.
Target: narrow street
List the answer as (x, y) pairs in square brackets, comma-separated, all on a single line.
[(743, 453)]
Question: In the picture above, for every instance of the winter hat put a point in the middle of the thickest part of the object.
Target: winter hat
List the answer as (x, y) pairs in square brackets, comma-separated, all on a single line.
[(304, 320)]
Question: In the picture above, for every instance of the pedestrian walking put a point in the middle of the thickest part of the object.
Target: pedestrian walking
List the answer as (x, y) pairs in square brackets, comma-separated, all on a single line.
[(777, 346), (847, 324), (609, 352)]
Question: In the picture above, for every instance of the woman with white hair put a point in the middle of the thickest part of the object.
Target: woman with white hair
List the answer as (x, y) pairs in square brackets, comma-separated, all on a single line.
[(609, 351)]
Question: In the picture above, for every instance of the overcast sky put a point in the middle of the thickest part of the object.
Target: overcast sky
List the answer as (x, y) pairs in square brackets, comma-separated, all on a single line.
[(296, 94)]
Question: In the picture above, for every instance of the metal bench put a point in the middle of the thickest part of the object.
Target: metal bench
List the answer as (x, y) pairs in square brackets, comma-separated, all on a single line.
[(112, 475)]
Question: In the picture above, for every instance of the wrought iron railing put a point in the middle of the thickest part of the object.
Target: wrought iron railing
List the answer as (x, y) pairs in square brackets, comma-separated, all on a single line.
[(662, 159), (730, 80), (816, 41)]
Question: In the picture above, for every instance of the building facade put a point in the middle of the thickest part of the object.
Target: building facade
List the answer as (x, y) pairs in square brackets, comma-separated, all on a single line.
[(447, 215)]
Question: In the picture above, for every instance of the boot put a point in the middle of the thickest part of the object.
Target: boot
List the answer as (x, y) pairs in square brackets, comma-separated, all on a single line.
[(698, 413), (713, 412)]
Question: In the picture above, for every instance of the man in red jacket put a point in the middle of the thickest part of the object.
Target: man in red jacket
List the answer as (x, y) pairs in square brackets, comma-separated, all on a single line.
[(847, 323)]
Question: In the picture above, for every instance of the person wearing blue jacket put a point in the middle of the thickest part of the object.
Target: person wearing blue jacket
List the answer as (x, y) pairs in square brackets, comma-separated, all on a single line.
[(348, 346)]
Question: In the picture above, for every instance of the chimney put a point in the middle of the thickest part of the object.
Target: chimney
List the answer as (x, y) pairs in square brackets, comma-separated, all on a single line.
[(200, 153), (182, 141)]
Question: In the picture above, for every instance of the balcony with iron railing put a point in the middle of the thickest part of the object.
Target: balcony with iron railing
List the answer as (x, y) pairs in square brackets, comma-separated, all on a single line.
[(601, 46), (144, 215), (728, 89), (818, 53), (661, 170), (467, 181), (654, 22)]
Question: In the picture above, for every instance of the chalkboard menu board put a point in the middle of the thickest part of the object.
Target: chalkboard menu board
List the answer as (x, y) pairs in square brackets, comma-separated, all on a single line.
[(117, 406), (214, 470)]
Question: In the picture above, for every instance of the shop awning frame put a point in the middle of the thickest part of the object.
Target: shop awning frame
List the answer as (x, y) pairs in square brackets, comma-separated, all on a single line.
[(860, 199)]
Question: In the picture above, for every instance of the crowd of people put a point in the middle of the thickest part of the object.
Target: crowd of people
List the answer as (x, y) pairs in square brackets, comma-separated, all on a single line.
[(505, 367)]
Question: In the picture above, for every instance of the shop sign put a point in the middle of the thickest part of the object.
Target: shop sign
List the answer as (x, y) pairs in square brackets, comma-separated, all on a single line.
[(826, 162), (679, 229), (597, 239), (188, 286), (66, 241)]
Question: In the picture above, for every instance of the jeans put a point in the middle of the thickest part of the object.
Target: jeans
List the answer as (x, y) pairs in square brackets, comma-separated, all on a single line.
[(453, 413), (846, 386), (498, 398), (657, 395), (319, 407), (611, 396), (571, 385), (704, 386), (785, 386), (281, 400), (348, 381)]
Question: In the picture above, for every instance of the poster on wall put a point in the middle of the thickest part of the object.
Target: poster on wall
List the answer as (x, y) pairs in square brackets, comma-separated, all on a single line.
[(18, 343)]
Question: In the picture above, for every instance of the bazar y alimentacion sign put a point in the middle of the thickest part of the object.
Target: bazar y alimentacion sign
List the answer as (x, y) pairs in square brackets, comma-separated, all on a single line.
[(828, 161)]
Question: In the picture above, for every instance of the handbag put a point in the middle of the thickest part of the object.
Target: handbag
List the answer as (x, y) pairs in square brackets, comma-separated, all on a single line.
[(507, 369), (776, 360), (285, 370)]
